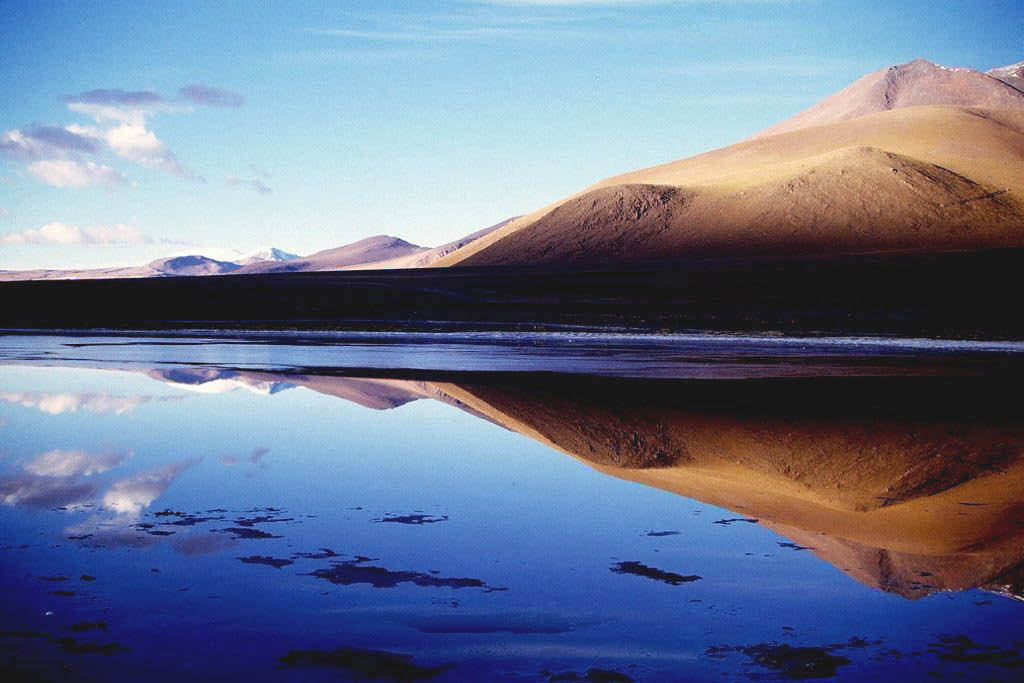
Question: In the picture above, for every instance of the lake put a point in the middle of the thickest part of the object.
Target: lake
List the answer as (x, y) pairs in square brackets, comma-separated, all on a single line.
[(510, 507)]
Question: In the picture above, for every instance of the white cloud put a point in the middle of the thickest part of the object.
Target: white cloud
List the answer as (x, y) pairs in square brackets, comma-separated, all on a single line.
[(59, 463), (60, 234), (71, 173), (131, 140), (129, 496)]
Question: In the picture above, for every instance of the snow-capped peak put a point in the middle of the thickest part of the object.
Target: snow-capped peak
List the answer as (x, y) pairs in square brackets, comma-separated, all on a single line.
[(266, 254)]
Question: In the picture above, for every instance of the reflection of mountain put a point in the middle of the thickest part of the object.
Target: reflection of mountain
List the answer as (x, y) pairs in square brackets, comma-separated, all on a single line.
[(908, 486), (369, 392), (211, 381)]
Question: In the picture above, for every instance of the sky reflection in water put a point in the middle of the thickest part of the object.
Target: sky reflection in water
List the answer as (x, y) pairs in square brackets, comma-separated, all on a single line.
[(162, 520)]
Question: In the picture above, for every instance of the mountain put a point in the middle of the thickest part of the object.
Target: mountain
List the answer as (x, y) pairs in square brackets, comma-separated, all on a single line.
[(173, 266), (914, 84), (265, 254), (367, 251), (192, 265), (1011, 75), (926, 172), (382, 251), (427, 258)]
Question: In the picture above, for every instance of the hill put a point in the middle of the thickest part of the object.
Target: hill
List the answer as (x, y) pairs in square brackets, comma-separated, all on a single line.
[(367, 251)]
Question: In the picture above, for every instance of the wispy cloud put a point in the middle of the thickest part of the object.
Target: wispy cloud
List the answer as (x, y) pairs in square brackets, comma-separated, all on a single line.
[(61, 234), (769, 66), (45, 142), (441, 34), (255, 182), (629, 3), (71, 173), (115, 97), (210, 96)]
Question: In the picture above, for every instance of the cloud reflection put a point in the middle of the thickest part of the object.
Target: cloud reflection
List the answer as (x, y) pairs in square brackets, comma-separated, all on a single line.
[(45, 492), (97, 404), (129, 496), (72, 463)]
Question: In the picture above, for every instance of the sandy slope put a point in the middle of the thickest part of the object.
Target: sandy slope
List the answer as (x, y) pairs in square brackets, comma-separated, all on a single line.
[(936, 177)]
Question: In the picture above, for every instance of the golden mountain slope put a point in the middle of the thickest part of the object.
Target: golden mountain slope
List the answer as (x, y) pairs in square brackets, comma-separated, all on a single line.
[(933, 178)]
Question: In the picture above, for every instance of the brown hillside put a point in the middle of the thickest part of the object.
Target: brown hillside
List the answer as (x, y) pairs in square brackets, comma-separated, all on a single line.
[(931, 178)]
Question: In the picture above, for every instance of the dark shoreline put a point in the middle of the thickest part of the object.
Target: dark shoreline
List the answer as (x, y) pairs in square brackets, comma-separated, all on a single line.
[(953, 295)]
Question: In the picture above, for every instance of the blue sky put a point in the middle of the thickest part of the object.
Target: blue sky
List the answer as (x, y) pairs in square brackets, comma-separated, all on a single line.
[(135, 130)]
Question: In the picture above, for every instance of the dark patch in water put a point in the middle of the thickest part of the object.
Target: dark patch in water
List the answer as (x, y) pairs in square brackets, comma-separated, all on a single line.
[(158, 532), (356, 572), (247, 533), (727, 522), (791, 662), (963, 649), (191, 520), (796, 662), (324, 554), (67, 643), (79, 537), (77, 647), (86, 577), (263, 559), (641, 569), (659, 534), (89, 626), (372, 664), (261, 519), (412, 519), (64, 594), (793, 546), (593, 674), (52, 579), (170, 513)]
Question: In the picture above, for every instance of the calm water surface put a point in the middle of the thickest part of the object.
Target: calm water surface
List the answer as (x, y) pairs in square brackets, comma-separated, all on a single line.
[(305, 512)]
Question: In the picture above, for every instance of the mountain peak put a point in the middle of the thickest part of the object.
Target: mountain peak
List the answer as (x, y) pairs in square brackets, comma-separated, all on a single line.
[(1012, 75), (912, 84), (265, 254)]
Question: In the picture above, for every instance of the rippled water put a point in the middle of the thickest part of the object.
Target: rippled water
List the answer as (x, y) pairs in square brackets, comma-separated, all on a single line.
[(291, 511)]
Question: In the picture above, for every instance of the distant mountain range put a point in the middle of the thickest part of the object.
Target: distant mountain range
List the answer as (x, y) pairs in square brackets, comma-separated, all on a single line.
[(381, 251), (912, 157)]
